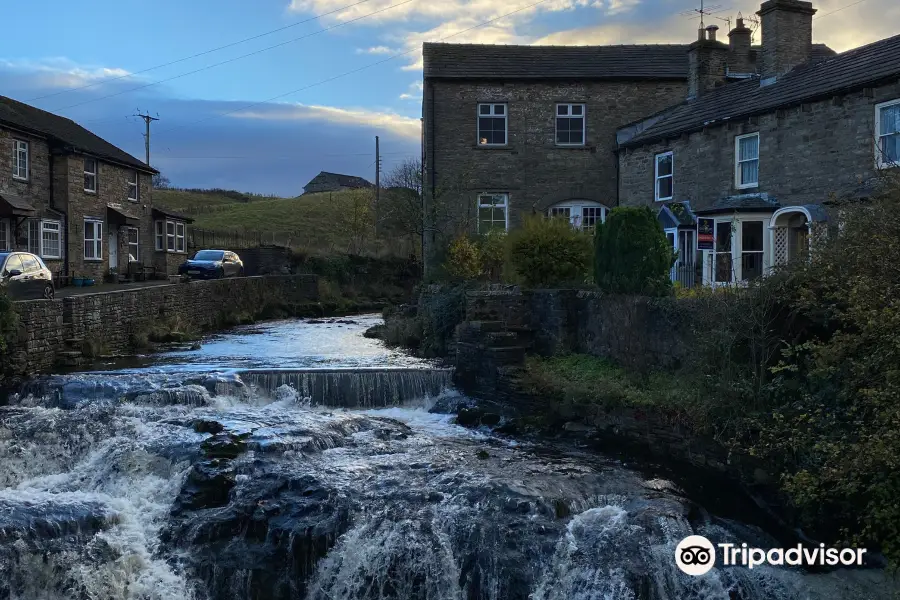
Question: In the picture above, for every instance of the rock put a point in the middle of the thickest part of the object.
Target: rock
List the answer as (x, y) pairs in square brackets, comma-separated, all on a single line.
[(206, 426), (509, 427), (208, 485), (482, 455), (376, 332), (490, 419), (576, 427), (223, 445), (469, 417)]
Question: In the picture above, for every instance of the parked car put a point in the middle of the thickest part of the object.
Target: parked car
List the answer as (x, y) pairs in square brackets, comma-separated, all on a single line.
[(212, 264), (25, 276)]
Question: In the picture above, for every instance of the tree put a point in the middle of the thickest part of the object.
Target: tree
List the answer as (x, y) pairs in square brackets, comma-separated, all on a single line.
[(160, 182), (633, 255), (549, 252), (355, 216)]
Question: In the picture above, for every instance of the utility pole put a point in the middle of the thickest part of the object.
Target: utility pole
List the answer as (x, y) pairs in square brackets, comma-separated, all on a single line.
[(377, 172), (147, 119)]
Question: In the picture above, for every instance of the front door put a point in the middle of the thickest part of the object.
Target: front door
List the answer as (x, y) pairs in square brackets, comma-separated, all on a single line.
[(113, 248)]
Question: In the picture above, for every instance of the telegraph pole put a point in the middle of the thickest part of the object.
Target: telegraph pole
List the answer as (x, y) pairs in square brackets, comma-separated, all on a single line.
[(377, 172), (147, 119)]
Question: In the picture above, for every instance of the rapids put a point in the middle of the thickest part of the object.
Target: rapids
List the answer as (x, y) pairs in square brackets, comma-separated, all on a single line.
[(301, 460)]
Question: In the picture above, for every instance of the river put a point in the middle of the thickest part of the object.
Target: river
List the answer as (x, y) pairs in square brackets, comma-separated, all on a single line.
[(300, 460)]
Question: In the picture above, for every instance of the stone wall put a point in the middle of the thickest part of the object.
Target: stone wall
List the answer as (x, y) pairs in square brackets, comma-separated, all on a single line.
[(50, 330), (806, 153)]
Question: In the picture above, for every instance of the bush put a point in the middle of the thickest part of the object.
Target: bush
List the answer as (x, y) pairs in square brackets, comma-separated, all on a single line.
[(493, 250), (632, 254), (549, 252), (464, 259)]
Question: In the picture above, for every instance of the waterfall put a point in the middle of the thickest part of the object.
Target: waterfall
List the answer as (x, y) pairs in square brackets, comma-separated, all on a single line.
[(353, 388)]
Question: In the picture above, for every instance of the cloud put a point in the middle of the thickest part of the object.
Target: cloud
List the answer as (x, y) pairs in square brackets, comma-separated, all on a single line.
[(375, 50), (407, 127), (60, 73), (415, 91)]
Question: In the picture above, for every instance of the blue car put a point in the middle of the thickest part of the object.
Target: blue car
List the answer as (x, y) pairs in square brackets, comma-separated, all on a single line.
[(212, 264)]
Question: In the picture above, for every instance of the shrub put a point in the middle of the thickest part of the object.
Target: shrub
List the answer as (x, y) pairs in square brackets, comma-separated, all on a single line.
[(464, 259), (632, 254), (549, 252), (493, 249)]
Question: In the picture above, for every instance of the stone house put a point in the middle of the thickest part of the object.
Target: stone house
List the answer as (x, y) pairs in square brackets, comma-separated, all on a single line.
[(334, 182), (82, 204), (745, 170)]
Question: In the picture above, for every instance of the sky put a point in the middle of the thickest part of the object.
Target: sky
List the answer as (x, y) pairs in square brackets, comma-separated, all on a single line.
[(261, 95)]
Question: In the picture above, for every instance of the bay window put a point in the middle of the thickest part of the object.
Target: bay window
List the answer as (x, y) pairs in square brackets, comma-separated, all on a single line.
[(722, 255), (751, 250), (170, 236)]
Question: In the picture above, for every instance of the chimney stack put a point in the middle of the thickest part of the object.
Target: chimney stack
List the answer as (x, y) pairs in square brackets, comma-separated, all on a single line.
[(739, 49), (707, 59), (786, 36)]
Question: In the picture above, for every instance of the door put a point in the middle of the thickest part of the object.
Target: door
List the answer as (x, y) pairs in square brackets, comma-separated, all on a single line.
[(16, 284), (113, 248)]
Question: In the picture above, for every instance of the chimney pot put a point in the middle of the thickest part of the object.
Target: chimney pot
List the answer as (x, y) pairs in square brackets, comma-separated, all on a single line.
[(786, 36), (701, 34), (711, 31)]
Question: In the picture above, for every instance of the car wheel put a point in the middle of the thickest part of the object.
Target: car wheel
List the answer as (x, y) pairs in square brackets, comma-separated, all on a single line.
[(49, 292)]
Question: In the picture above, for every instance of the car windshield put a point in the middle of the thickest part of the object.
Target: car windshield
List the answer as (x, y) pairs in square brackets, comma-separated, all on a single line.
[(3, 256), (209, 255)]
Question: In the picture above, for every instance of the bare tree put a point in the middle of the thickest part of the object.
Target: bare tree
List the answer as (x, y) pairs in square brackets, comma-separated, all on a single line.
[(161, 182)]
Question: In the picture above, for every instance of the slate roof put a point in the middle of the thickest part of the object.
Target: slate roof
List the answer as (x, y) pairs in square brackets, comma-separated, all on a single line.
[(849, 70), (742, 203), (15, 205), (638, 61), (64, 131), (681, 213)]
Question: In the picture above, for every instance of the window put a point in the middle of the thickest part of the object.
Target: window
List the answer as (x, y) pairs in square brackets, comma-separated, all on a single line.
[(591, 215), (746, 161), (582, 214), (570, 124), (561, 211), (20, 159), (179, 237), (51, 245), (491, 124), (664, 176), (93, 239), (687, 247), (751, 250), (887, 129), (170, 236), (30, 264), (34, 236), (723, 252), (160, 236), (133, 192), (90, 175), (134, 245), (492, 212)]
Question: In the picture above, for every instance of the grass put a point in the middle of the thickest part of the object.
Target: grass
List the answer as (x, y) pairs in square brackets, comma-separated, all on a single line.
[(337, 222)]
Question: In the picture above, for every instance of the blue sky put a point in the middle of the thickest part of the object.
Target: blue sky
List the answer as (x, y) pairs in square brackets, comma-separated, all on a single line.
[(220, 128)]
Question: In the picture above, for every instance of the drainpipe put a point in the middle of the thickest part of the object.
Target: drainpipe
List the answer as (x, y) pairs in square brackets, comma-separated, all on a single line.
[(64, 234)]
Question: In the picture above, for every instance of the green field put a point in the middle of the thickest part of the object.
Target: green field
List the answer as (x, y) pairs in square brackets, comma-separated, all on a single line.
[(329, 222)]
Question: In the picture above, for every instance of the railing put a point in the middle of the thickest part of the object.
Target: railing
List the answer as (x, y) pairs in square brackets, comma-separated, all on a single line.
[(686, 275)]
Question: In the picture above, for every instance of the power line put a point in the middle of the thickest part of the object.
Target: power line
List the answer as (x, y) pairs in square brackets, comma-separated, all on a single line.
[(231, 60), (840, 9), (204, 53), (346, 73), (398, 156)]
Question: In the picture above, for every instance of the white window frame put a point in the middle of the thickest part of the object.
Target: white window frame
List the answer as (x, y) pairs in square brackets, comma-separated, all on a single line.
[(4, 231), (574, 210), (137, 242), (97, 240), (33, 235), (492, 115), (170, 236), (569, 115), (49, 226), (504, 205), (21, 147), (880, 163), (657, 177), (134, 186), (91, 174), (180, 237), (735, 223), (159, 233), (737, 161)]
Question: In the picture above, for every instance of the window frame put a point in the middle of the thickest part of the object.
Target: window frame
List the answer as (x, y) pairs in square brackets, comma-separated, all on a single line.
[(5, 231), (657, 177), (492, 115), (880, 163), (33, 235), (180, 237), (133, 185), (137, 242), (58, 231), (479, 205), (575, 211), (93, 174), (16, 156), (737, 161), (163, 235), (742, 252), (557, 117), (97, 240)]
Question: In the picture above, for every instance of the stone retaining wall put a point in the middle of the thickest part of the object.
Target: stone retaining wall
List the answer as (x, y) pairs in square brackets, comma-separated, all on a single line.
[(51, 329)]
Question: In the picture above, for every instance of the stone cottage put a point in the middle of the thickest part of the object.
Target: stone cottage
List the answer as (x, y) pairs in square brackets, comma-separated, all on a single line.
[(76, 200), (744, 169), (334, 182)]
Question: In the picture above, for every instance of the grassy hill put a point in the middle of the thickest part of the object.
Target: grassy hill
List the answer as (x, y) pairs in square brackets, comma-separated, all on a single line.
[(330, 222)]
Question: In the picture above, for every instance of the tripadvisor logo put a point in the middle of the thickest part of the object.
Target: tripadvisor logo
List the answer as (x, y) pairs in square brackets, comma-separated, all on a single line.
[(696, 555)]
